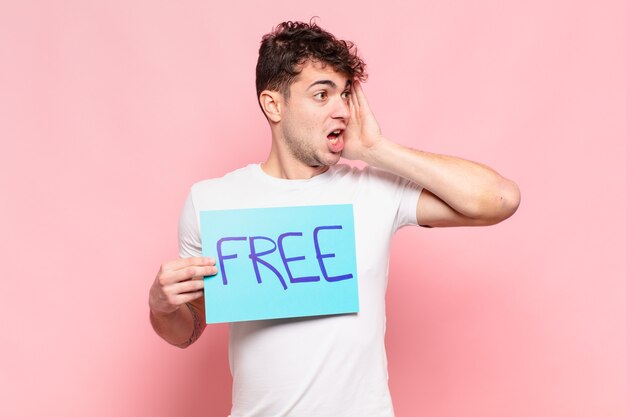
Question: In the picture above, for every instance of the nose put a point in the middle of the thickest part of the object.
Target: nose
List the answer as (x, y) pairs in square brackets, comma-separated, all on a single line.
[(341, 109)]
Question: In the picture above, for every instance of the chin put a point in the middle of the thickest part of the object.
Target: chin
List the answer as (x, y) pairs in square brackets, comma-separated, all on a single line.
[(323, 159), (331, 160)]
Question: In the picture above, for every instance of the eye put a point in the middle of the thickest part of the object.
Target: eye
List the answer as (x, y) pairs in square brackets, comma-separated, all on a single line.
[(322, 95), (346, 94)]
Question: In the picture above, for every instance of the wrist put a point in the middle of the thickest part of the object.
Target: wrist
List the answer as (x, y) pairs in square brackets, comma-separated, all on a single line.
[(160, 314), (378, 154)]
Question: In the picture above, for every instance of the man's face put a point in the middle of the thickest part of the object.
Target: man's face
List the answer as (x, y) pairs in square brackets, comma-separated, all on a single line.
[(315, 115)]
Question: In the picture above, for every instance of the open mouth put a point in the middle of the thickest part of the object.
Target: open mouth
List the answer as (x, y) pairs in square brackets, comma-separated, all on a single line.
[(335, 140), (333, 136)]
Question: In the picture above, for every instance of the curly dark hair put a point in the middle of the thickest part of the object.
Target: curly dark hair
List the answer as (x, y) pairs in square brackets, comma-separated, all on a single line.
[(291, 44)]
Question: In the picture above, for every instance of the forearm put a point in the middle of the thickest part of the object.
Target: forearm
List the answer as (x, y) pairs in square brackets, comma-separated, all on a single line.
[(472, 189), (180, 328)]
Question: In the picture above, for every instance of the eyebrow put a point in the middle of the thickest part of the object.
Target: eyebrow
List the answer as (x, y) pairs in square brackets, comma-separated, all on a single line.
[(329, 83)]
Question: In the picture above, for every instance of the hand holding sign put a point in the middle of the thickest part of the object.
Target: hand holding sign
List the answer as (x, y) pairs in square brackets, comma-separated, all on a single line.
[(179, 282)]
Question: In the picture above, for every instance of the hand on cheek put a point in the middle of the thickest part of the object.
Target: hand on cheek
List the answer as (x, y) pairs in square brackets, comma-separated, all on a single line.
[(362, 132)]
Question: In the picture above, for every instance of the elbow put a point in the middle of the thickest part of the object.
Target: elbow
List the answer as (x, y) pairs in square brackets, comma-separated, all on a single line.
[(508, 200), (498, 205), (514, 199)]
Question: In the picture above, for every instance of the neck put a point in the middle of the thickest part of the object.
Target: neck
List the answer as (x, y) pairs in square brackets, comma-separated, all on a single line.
[(281, 163)]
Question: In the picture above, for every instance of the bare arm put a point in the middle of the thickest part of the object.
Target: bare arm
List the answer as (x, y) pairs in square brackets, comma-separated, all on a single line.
[(457, 192), (177, 300)]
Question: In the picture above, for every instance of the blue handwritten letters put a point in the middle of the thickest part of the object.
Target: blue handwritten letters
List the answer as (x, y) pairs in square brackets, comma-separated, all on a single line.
[(280, 262)]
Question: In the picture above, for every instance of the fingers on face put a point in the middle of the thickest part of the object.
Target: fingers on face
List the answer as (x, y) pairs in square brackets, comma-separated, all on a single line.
[(352, 106), (360, 96), (354, 98)]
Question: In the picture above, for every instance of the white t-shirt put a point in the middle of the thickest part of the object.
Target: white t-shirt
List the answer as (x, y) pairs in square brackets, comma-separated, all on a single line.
[(325, 366)]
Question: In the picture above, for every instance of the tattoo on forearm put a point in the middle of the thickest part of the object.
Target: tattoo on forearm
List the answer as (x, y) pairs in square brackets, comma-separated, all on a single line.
[(197, 327)]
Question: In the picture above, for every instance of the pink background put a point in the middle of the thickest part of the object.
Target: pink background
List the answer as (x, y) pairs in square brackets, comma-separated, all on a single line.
[(109, 111)]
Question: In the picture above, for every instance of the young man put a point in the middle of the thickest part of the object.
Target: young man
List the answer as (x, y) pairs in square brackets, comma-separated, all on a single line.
[(308, 86)]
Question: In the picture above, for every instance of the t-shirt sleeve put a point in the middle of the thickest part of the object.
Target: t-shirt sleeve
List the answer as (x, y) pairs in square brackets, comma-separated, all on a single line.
[(394, 195), (189, 242), (407, 209)]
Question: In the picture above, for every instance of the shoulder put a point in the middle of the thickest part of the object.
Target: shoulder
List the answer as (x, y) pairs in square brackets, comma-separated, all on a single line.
[(210, 184), (367, 175)]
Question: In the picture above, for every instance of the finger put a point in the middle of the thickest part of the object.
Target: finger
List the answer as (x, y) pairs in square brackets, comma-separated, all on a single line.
[(194, 272), (354, 98), (190, 296), (352, 108), (185, 262), (187, 287), (360, 97), (190, 273)]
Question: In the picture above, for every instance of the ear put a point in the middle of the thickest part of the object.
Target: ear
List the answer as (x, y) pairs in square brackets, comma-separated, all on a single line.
[(272, 104)]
